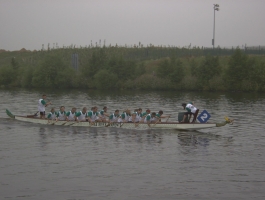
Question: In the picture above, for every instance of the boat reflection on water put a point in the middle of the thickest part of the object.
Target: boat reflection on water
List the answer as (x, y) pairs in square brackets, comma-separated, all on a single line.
[(52, 134), (196, 138)]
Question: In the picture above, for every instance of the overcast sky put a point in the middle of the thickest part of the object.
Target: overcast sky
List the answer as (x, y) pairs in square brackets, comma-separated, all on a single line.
[(31, 23)]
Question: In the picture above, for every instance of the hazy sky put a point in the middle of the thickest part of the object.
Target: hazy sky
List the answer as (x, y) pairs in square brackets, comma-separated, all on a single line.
[(31, 23)]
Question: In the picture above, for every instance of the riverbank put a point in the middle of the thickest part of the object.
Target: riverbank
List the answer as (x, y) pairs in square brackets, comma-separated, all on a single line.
[(106, 69)]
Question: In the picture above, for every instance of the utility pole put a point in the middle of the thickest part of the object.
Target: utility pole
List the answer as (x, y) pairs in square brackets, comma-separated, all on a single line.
[(215, 8)]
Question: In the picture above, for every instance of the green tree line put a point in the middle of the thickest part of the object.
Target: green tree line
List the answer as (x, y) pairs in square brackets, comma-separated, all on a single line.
[(102, 69)]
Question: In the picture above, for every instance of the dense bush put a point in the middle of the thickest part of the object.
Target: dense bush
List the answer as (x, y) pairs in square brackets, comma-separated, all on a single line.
[(105, 79), (149, 82), (105, 69), (7, 75), (209, 69), (52, 73), (244, 73), (171, 69)]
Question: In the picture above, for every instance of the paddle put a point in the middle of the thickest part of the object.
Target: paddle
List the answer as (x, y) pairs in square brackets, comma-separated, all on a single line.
[(136, 124), (49, 103), (168, 118), (91, 123), (157, 121), (53, 123), (160, 118), (35, 115), (71, 124), (65, 123), (121, 124)]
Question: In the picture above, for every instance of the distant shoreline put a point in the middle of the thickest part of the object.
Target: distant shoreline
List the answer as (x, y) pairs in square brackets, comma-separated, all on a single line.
[(144, 68)]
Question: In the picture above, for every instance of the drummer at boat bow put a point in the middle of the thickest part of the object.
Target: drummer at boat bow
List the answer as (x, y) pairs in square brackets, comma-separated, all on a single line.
[(81, 115), (41, 106), (61, 115), (192, 110), (70, 116)]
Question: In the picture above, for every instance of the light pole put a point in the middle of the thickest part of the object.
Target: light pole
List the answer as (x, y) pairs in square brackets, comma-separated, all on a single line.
[(215, 8)]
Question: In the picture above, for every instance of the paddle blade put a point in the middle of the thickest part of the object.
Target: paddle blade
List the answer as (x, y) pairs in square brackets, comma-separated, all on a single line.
[(10, 114)]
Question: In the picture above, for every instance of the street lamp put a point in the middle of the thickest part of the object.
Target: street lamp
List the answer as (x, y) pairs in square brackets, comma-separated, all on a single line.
[(215, 8)]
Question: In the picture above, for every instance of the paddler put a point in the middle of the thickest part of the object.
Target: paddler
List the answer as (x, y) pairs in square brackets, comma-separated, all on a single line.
[(61, 114), (104, 115), (41, 106), (147, 112), (159, 115), (52, 115), (137, 115), (81, 115), (70, 116), (114, 116), (93, 115), (125, 116), (151, 118)]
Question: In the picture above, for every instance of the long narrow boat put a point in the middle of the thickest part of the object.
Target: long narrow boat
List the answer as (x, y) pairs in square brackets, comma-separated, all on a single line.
[(160, 125)]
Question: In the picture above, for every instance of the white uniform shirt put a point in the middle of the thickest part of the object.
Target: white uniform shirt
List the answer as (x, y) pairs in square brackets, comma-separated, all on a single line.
[(41, 107), (191, 107), (61, 116), (71, 116), (82, 117)]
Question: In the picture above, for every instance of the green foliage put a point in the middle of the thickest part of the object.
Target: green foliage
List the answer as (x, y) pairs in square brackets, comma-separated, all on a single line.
[(171, 69), (178, 71), (193, 67), (206, 71), (6, 75), (239, 69), (259, 75), (133, 68), (123, 69), (26, 76), (96, 62), (189, 83), (140, 69), (65, 78), (164, 69), (105, 79), (52, 73), (256, 76), (149, 82), (14, 63)]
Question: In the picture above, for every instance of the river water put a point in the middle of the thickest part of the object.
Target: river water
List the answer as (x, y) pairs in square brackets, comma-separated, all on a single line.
[(75, 163)]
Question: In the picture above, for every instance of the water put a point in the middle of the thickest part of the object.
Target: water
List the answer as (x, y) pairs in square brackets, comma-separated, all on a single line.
[(54, 162)]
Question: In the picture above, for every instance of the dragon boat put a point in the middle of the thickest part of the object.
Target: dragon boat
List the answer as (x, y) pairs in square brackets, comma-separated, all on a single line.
[(159, 125)]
